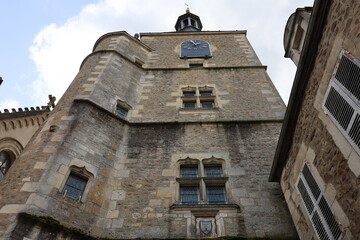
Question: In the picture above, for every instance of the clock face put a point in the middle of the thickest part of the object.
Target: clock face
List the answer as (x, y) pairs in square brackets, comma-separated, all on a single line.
[(195, 48)]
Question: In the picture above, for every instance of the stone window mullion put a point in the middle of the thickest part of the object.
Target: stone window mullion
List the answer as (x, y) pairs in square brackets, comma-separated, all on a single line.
[(203, 196)]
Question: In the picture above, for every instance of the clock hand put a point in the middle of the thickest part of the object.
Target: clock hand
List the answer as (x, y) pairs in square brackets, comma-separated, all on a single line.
[(193, 42)]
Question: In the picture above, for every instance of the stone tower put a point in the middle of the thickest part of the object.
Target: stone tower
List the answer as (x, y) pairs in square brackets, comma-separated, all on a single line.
[(160, 135)]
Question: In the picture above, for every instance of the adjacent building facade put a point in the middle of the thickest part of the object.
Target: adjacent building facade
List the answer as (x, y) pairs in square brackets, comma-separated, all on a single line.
[(16, 129), (167, 135), (317, 160)]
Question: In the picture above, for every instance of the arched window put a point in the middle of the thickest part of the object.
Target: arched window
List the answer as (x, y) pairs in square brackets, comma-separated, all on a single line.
[(5, 163)]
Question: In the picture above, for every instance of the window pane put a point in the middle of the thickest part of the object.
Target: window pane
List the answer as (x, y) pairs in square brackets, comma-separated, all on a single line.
[(207, 104), (190, 104), (216, 194), (120, 111), (205, 93), (189, 93), (4, 163), (75, 186), (213, 171), (188, 171), (189, 195)]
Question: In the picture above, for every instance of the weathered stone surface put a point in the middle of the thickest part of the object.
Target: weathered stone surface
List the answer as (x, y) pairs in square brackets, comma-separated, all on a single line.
[(132, 165), (334, 161)]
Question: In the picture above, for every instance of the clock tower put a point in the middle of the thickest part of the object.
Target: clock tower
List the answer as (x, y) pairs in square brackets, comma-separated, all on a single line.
[(170, 135)]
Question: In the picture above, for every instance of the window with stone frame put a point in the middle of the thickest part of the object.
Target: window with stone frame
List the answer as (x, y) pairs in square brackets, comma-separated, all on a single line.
[(213, 171), (201, 182), (5, 163), (198, 97), (121, 112), (75, 186), (317, 206), (342, 99), (189, 195), (122, 109)]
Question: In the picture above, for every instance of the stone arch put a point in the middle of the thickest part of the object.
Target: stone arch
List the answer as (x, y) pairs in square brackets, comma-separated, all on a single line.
[(12, 124), (188, 161), (10, 149), (213, 160), (11, 146)]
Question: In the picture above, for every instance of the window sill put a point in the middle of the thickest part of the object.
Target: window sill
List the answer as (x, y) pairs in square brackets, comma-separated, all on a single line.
[(215, 180), (188, 181), (205, 207), (199, 109)]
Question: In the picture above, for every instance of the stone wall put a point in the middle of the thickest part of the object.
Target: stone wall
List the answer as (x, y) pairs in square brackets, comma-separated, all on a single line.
[(333, 161), (135, 178), (132, 164)]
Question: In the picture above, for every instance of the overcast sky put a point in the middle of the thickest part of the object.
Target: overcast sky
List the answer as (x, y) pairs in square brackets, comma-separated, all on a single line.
[(43, 42)]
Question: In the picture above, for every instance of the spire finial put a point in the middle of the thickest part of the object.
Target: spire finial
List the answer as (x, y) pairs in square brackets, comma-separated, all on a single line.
[(187, 8)]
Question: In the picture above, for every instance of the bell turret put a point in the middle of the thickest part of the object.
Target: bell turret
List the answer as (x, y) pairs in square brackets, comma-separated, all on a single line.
[(188, 22)]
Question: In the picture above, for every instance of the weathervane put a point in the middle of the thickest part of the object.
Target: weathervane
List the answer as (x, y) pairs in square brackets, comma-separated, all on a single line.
[(187, 7)]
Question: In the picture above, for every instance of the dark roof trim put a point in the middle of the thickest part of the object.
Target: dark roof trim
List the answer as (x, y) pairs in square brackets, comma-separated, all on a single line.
[(305, 67), (161, 34), (120, 33)]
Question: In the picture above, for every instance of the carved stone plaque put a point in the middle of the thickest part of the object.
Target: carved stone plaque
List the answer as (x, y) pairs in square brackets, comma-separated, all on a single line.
[(205, 227)]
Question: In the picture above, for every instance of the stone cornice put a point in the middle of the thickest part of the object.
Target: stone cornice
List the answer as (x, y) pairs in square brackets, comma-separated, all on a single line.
[(26, 112), (121, 33), (133, 123), (192, 33)]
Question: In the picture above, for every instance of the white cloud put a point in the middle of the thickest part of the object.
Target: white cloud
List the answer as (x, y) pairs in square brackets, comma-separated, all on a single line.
[(8, 104), (58, 51)]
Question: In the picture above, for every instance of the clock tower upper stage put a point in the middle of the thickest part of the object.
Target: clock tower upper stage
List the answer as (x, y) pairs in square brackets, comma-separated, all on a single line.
[(188, 22)]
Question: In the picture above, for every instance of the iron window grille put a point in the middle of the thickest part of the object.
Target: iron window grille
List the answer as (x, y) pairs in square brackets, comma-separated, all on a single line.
[(74, 186), (318, 209), (189, 93), (206, 93), (342, 99), (189, 195), (190, 104), (216, 194), (213, 171), (207, 104), (189, 171)]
